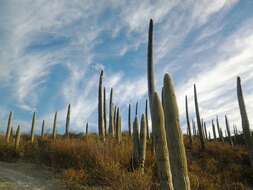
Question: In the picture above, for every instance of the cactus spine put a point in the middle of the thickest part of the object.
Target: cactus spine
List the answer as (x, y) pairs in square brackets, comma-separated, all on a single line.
[(188, 121), (118, 129), (161, 148), (42, 129), (17, 138), (228, 131), (8, 132), (129, 121), (100, 108), (201, 137), (245, 122), (105, 120), (67, 122), (54, 125), (178, 161), (32, 128), (136, 142), (146, 116), (143, 141), (214, 133), (111, 115)]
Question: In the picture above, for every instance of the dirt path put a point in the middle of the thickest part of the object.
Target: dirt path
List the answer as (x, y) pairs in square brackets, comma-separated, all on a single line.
[(26, 176)]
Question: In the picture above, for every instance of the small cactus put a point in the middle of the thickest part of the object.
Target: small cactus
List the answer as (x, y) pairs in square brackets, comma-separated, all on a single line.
[(67, 122), (105, 118), (136, 142), (218, 127), (201, 137), (8, 132), (32, 128), (143, 141), (188, 121), (160, 142), (178, 161), (118, 128), (245, 122), (54, 126), (42, 129), (129, 121), (17, 138), (214, 133), (228, 131)]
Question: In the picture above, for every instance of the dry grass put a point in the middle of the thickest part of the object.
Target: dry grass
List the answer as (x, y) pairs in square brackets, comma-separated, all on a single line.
[(87, 162)]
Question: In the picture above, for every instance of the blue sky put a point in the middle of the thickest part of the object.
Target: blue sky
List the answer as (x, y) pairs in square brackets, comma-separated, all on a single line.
[(51, 53)]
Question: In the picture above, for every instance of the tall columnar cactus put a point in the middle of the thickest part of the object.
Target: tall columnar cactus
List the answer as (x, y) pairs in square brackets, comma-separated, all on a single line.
[(129, 121), (136, 108), (136, 142), (101, 130), (218, 127), (228, 131), (115, 118), (118, 129), (178, 161), (201, 137), (245, 122), (11, 135), (214, 133), (111, 115), (188, 121), (194, 128), (54, 126), (146, 116), (42, 129), (221, 135), (105, 118), (143, 142), (17, 138), (160, 142), (205, 129), (32, 128), (8, 132), (87, 129), (67, 122)]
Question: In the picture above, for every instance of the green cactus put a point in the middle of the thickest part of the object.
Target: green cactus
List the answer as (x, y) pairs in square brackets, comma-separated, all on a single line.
[(136, 143), (178, 161), (129, 121), (8, 131), (101, 130), (54, 126), (67, 122), (11, 134), (143, 142), (218, 127), (214, 133), (17, 138), (188, 121), (146, 116), (201, 137), (42, 129), (32, 128), (245, 122), (228, 131), (105, 118), (111, 115), (87, 129), (160, 142), (115, 118), (118, 129)]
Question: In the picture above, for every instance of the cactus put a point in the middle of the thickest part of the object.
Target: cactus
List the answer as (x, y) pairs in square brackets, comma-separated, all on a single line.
[(17, 138), (214, 133), (111, 115), (228, 131), (136, 142), (245, 122), (209, 136), (101, 108), (218, 128), (129, 121), (87, 129), (42, 129), (54, 126), (161, 148), (201, 137), (205, 129), (105, 118), (136, 108), (8, 132), (221, 136), (143, 141), (118, 128), (67, 122), (188, 121), (11, 134), (178, 161), (146, 116), (32, 128), (115, 118), (194, 128)]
